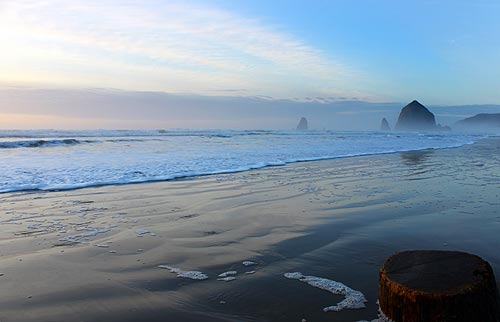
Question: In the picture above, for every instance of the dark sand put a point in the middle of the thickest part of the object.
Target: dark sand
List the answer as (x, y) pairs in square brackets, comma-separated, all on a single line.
[(336, 219)]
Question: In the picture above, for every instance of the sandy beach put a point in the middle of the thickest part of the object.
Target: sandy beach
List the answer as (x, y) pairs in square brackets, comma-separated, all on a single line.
[(93, 254)]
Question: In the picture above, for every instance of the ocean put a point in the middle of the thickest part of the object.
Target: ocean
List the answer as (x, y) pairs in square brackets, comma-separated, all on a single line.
[(180, 250), (58, 160)]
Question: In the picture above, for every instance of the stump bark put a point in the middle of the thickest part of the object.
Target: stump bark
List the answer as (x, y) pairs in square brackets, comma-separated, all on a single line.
[(438, 286)]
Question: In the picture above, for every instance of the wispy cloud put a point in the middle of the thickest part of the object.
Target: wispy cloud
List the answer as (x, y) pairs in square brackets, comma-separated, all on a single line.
[(165, 46)]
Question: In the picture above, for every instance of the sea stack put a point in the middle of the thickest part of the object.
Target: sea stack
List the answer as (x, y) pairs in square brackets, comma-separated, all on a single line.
[(416, 117), (384, 126), (302, 124)]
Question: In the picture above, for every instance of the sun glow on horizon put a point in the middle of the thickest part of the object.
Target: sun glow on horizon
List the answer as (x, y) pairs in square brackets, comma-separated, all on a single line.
[(214, 52)]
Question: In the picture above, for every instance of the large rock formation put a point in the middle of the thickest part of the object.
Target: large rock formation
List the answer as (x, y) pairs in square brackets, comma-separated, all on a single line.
[(416, 117), (480, 122), (384, 126), (302, 124)]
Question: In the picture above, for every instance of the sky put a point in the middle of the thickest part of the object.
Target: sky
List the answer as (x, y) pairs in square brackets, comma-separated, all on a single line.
[(440, 52)]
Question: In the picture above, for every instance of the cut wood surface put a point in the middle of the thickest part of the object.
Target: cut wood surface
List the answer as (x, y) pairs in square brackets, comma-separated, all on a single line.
[(438, 286)]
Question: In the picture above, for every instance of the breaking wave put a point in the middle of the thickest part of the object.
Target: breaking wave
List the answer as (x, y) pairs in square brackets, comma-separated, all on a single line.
[(31, 160), (39, 143)]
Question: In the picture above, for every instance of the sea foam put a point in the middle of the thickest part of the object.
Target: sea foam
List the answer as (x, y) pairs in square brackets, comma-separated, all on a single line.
[(228, 273), (194, 275), (353, 299)]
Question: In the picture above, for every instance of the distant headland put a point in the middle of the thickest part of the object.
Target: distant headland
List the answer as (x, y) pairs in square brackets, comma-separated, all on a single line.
[(482, 121)]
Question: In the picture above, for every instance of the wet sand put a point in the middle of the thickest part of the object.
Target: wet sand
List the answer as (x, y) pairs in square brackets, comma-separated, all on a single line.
[(93, 254)]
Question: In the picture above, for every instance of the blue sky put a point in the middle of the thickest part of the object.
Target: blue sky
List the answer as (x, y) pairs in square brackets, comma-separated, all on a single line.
[(446, 51), (441, 52)]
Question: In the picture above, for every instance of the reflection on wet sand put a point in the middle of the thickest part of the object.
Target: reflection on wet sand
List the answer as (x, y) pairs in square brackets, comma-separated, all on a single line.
[(416, 158), (336, 219), (418, 163)]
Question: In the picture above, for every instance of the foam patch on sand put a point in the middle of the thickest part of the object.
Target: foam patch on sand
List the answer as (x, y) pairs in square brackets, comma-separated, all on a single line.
[(228, 273), (381, 316), (248, 263), (353, 299), (194, 275), (89, 232)]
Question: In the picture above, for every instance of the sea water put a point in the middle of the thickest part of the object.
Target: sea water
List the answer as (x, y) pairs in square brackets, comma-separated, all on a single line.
[(47, 159)]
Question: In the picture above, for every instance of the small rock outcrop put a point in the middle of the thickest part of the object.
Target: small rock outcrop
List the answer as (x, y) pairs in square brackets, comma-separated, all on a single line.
[(384, 125), (416, 117), (302, 124), (444, 128)]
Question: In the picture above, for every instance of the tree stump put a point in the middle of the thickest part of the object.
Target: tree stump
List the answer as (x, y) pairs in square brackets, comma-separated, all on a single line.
[(438, 286)]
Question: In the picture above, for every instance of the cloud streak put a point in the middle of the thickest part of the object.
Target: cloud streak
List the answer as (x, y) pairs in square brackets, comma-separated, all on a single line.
[(160, 46)]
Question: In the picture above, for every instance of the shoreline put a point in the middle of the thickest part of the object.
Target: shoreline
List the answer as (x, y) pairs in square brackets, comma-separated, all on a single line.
[(222, 172), (336, 219)]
